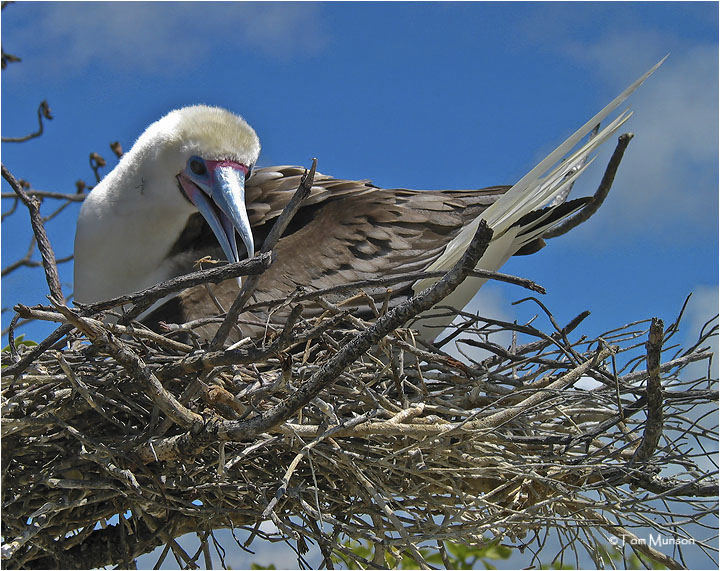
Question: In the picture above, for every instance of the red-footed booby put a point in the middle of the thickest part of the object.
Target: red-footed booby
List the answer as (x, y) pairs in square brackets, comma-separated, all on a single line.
[(185, 189), (193, 159)]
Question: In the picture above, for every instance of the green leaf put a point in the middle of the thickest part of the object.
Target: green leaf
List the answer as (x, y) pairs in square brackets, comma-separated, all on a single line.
[(495, 551), (556, 565), (20, 340)]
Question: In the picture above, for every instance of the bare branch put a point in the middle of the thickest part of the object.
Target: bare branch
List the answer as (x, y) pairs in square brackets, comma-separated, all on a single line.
[(46, 251), (8, 58), (147, 297), (654, 428), (43, 112), (600, 194), (49, 194), (135, 367), (96, 163)]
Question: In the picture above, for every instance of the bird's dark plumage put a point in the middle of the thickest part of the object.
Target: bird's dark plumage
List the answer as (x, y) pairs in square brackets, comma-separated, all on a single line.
[(345, 231)]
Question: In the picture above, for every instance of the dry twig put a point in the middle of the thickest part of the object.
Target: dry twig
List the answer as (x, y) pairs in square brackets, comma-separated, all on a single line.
[(46, 251)]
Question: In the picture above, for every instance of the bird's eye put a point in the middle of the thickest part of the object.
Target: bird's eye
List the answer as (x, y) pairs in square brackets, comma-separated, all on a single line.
[(197, 166)]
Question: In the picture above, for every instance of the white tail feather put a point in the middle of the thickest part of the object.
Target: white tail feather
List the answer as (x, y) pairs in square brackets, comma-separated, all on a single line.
[(535, 190)]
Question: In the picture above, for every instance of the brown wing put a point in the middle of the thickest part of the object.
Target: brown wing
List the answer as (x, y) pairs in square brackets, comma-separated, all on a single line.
[(345, 231), (270, 188)]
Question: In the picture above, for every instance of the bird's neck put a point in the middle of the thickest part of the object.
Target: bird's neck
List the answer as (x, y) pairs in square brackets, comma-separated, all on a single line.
[(125, 231)]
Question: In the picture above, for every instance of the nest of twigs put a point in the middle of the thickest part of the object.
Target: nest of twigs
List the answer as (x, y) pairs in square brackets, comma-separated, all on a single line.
[(399, 445), (339, 427)]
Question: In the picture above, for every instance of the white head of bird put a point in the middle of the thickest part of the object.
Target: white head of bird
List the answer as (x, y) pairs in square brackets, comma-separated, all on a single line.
[(193, 159)]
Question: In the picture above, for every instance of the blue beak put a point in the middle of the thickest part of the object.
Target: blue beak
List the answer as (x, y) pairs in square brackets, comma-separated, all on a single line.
[(222, 204)]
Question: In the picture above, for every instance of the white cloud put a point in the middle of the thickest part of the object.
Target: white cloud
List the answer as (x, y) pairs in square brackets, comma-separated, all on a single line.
[(702, 307), (669, 173), (670, 170), (163, 36), (668, 178), (587, 384)]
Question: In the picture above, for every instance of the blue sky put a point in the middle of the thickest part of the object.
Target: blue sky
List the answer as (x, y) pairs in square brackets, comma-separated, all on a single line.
[(415, 95)]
